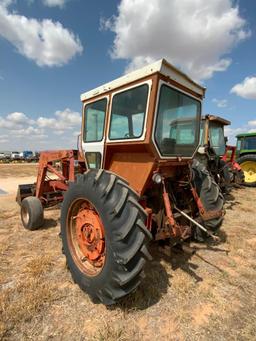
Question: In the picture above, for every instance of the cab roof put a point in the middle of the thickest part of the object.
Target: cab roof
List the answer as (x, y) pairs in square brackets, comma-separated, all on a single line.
[(218, 119), (246, 134), (161, 66)]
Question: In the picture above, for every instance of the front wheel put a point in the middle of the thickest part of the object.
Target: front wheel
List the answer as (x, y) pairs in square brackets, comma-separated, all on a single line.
[(32, 213), (104, 236)]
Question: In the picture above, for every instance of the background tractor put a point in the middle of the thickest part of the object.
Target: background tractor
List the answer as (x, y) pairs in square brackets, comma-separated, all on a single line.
[(214, 154), (133, 180), (246, 157)]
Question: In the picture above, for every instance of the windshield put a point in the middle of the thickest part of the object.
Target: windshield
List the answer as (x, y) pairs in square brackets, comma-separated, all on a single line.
[(250, 143), (177, 124), (217, 138)]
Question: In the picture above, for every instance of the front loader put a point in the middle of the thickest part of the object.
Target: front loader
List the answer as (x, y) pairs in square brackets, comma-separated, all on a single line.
[(139, 136)]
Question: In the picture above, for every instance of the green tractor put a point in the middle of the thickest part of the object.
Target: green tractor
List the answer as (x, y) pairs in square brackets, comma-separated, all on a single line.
[(246, 157)]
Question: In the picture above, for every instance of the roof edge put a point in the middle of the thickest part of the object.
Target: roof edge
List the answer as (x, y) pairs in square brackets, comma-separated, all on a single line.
[(161, 66)]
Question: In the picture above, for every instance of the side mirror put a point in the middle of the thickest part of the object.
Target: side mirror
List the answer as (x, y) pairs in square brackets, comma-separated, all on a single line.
[(225, 139)]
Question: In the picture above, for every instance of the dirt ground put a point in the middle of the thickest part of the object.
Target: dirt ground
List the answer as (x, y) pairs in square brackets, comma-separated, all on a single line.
[(208, 296)]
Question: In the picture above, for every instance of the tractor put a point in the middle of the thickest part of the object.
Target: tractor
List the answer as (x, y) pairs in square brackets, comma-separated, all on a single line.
[(246, 157), (216, 155), (133, 179)]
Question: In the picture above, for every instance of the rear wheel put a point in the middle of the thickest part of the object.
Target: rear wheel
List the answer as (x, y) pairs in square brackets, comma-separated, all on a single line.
[(248, 165), (210, 196), (32, 213), (226, 176), (104, 236)]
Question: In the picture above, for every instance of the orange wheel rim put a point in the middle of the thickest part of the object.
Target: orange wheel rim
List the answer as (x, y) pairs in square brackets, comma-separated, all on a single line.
[(86, 237)]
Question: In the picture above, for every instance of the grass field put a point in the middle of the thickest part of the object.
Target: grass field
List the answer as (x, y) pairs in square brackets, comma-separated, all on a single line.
[(208, 296)]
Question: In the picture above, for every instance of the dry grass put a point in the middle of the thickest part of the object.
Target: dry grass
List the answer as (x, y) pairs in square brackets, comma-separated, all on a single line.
[(208, 296), (18, 169)]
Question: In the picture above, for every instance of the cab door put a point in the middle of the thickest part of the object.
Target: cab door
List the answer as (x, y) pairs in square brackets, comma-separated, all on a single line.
[(93, 136)]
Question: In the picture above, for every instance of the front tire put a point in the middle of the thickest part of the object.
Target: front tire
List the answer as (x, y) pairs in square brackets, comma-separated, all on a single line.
[(32, 213), (109, 266)]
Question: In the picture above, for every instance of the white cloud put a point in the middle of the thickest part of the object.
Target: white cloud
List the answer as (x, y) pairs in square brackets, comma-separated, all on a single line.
[(4, 138), (28, 132), (15, 120), (6, 3), (195, 35), (246, 89), (231, 132), (18, 131), (252, 123), (53, 3), (46, 42), (221, 103), (63, 120)]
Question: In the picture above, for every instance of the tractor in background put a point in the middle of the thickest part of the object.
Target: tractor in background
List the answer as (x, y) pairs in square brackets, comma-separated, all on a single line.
[(134, 179), (214, 154), (246, 157)]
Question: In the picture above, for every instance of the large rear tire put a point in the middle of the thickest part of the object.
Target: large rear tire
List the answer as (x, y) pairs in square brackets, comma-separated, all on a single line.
[(248, 165), (210, 196), (104, 236)]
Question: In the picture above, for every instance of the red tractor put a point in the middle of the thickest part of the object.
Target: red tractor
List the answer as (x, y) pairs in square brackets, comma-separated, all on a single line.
[(136, 180)]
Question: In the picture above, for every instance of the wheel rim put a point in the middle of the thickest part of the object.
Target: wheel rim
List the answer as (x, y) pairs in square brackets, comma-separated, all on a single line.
[(24, 215), (86, 237), (249, 168)]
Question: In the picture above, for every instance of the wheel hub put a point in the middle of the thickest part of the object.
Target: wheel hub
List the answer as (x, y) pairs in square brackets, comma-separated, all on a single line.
[(90, 236), (249, 168)]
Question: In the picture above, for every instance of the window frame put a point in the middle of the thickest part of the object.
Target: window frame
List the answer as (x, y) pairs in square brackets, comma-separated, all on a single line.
[(218, 125), (142, 137), (162, 157), (104, 122)]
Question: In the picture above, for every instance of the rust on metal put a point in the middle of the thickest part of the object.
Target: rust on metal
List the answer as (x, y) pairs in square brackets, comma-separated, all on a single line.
[(55, 170), (90, 235), (206, 215)]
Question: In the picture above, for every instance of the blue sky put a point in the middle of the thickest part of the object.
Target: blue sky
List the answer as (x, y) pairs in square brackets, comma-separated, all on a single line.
[(53, 50)]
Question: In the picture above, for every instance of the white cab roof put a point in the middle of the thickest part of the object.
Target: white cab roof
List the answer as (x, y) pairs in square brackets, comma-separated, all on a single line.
[(161, 66)]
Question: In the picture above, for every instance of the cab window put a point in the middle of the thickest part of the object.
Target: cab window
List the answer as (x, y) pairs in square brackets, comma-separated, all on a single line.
[(128, 113), (94, 118)]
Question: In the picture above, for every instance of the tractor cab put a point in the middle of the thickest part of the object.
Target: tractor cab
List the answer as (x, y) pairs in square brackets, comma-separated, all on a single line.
[(144, 120), (212, 150), (246, 143), (212, 134)]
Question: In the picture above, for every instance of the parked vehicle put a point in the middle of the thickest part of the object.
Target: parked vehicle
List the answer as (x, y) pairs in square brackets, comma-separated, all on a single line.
[(216, 155), (27, 155), (15, 156), (246, 157), (135, 180)]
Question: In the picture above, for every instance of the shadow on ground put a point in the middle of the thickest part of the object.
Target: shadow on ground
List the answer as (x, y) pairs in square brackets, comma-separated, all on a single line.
[(156, 282), (230, 201), (49, 223)]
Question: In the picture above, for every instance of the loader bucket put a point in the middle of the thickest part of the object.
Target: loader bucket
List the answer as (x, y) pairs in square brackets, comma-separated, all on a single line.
[(24, 191)]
